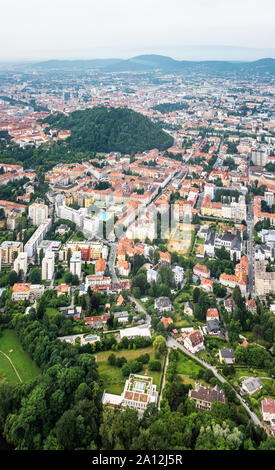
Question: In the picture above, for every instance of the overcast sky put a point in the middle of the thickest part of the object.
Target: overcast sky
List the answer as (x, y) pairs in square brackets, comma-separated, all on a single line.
[(34, 29)]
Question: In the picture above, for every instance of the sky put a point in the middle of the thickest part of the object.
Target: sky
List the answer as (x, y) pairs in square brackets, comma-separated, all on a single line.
[(71, 29)]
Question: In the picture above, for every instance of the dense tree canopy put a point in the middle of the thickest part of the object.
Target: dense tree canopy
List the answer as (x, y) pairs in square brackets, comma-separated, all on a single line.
[(104, 129)]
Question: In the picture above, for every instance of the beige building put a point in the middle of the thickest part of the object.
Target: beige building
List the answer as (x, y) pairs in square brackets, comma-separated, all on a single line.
[(264, 281), (8, 250)]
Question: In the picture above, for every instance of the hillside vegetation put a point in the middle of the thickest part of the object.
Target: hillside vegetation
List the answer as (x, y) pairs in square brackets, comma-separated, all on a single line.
[(104, 129)]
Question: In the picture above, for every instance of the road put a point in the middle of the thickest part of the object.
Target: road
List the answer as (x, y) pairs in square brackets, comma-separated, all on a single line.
[(173, 343), (163, 377), (250, 249), (111, 263), (141, 309)]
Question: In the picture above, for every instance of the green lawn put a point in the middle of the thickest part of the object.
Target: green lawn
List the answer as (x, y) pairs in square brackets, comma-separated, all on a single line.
[(245, 372), (188, 369), (59, 281), (113, 380), (186, 365), (24, 365), (51, 312)]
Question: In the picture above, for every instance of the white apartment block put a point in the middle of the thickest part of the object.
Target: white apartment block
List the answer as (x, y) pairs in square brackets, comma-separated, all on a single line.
[(38, 213), (32, 244), (48, 266), (21, 263), (75, 263), (90, 225), (76, 216), (209, 188)]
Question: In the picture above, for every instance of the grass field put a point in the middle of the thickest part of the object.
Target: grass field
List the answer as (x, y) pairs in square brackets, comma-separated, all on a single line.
[(51, 312), (245, 372), (24, 365), (113, 380), (188, 369)]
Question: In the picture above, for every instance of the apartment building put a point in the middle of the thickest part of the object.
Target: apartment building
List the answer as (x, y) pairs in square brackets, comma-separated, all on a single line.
[(38, 213), (264, 281), (89, 250), (21, 263), (9, 250), (75, 263), (32, 244), (48, 266)]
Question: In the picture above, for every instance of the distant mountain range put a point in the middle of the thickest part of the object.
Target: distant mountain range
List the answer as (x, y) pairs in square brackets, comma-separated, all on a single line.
[(148, 63)]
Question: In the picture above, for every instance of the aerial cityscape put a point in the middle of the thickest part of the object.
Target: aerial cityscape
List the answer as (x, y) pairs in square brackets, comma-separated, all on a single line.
[(137, 249)]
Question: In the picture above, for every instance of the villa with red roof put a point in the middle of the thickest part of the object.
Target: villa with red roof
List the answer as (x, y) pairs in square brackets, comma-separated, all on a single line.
[(201, 271)]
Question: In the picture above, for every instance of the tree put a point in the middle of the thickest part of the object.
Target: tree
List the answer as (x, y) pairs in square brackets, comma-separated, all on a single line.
[(68, 278), (41, 255), (154, 365), (12, 278), (112, 359), (35, 276), (69, 255), (126, 370), (159, 345), (196, 295), (166, 275)]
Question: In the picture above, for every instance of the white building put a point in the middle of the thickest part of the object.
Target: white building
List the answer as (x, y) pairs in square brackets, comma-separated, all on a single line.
[(90, 225), (134, 332), (48, 266), (75, 263), (152, 276), (32, 244), (138, 393), (38, 213), (178, 274), (21, 263), (76, 216), (194, 341), (209, 188)]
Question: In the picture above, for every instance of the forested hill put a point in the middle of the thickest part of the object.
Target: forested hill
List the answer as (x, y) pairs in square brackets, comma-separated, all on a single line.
[(104, 129)]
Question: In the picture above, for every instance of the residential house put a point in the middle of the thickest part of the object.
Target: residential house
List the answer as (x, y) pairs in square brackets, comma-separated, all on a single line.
[(204, 397), (188, 309), (227, 356), (251, 306), (252, 385), (166, 321), (193, 341), (268, 410), (201, 271), (212, 313), (163, 304)]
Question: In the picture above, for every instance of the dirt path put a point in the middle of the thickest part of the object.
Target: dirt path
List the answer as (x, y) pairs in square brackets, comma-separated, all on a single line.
[(15, 370)]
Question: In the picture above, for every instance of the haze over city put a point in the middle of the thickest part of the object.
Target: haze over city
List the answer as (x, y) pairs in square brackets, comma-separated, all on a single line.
[(32, 30)]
